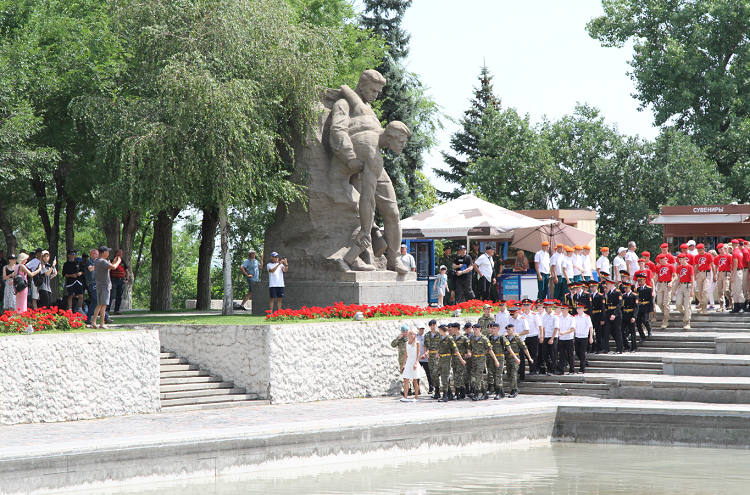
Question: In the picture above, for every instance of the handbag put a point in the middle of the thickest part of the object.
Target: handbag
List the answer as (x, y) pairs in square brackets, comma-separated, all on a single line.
[(19, 284)]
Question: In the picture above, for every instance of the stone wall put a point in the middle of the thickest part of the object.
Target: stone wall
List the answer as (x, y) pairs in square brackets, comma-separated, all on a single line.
[(62, 377), (297, 362)]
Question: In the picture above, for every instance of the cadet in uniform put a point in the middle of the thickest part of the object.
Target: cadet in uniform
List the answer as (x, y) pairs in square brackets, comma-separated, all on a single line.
[(550, 327), (584, 335), (597, 315), (479, 347), (565, 341), (514, 346), (431, 342), (400, 343), (612, 317), (704, 273), (629, 314), (459, 368), (530, 335), (738, 262), (685, 291), (503, 316), (723, 278), (446, 349), (495, 368), (469, 333), (486, 319), (665, 275), (645, 296)]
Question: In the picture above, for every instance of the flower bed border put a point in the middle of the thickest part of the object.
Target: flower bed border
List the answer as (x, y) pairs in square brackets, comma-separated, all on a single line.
[(43, 319)]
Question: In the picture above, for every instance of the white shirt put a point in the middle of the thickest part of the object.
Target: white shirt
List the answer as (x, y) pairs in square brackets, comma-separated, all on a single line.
[(542, 260), (549, 323), (521, 325), (420, 339), (632, 260), (577, 260), (33, 264), (408, 261), (567, 262), (566, 323), (586, 262), (582, 323), (275, 278), (502, 318), (534, 322), (553, 260), (602, 264), (617, 265), (693, 251), (485, 265)]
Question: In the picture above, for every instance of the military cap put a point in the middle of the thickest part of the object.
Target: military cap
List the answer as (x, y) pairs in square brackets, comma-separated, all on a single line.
[(467, 325), (665, 245), (477, 325), (487, 306)]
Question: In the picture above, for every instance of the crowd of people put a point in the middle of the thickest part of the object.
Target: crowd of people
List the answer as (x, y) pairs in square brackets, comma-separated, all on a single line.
[(28, 280)]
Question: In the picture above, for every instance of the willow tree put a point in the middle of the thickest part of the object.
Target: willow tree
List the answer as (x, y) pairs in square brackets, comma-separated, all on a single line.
[(214, 94)]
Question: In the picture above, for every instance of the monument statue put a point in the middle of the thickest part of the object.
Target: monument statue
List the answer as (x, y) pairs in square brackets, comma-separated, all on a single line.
[(337, 249)]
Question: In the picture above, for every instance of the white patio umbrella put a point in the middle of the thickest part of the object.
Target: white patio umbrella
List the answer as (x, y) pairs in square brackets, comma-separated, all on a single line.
[(465, 217), (531, 239)]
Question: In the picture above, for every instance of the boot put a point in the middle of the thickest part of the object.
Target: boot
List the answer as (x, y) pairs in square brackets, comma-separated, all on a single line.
[(735, 308), (513, 393), (450, 395), (486, 395), (463, 393), (437, 392), (500, 394), (444, 398), (475, 396)]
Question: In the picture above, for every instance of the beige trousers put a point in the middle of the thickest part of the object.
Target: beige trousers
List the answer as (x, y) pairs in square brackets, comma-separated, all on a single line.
[(737, 296), (745, 287), (684, 300), (701, 289), (722, 283), (663, 298)]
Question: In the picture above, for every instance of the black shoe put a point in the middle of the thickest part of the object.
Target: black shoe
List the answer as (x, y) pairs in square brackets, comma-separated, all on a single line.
[(474, 397), (649, 333), (522, 379), (559, 373), (550, 374), (587, 363), (444, 398), (618, 352), (411, 392), (632, 351), (451, 396), (641, 341), (109, 321), (486, 395), (531, 373), (513, 393), (436, 396), (497, 396), (431, 391), (571, 372)]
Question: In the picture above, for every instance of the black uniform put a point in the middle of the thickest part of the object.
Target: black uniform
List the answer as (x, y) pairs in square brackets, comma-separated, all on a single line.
[(597, 317), (613, 307), (463, 282), (629, 311), (568, 299), (645, 306), (584, 298)]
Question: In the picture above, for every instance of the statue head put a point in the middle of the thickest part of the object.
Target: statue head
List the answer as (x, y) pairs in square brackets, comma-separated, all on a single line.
[(395, 136), (370, 85)]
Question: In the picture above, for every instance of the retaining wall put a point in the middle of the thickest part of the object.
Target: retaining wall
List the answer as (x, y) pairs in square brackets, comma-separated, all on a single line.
[(62, 377)]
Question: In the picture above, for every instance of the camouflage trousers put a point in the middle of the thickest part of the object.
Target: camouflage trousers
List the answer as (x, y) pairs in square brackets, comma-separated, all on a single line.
[(512, 366), (467, 372), (490, 375), (477, 371), (432, 361), (495, 373), (445, 373), (459, 372)]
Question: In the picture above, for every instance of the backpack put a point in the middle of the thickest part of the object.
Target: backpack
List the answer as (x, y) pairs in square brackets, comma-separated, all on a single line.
[(38, 279), (19, 284)]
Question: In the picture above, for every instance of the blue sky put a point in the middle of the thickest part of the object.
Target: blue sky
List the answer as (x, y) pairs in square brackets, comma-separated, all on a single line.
[(539, 52)]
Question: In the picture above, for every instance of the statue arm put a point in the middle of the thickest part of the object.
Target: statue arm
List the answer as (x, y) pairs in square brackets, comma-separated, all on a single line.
[(341, 143)]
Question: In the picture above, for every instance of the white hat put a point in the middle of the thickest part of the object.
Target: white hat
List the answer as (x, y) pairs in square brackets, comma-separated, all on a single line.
[(619, 250), (691, 242), (420, 325), (403, 246)]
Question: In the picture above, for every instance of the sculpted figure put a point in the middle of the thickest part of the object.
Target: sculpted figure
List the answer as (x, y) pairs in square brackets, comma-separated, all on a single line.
[(356, 141)]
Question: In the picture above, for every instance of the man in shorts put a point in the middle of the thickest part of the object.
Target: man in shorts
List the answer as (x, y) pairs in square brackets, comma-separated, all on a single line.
[(276, 269), (102, 267), (251, 270)]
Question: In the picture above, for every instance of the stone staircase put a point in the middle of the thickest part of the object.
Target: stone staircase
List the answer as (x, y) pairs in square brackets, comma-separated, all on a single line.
[(187, 387)]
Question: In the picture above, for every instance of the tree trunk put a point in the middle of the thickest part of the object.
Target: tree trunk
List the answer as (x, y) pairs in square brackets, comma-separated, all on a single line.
[(70, 223), (205, 253), (51, 228), (130, 223), (228, 306), (111, 226), (11, 243), (161, 261)]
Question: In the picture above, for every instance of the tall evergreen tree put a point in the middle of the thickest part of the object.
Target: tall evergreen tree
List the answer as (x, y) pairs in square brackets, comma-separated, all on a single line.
[(465, 143), (403, 98)]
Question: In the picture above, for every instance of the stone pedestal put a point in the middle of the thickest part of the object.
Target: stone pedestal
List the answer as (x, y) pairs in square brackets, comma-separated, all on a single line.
[(372, 288)]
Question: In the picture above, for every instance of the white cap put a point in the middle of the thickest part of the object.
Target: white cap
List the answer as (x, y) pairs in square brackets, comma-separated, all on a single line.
[(420, 325), (403, 246), (619, 250), (691, 242)]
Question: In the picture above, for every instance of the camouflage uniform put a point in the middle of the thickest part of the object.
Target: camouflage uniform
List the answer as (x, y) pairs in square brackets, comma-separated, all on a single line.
[(460, 376), (431, 343), (479, 348), (446, 349), (495, 373), (400, 342), (518, 346), (484, 321)]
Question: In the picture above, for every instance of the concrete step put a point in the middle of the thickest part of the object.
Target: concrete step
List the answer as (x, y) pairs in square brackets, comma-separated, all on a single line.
[(629, 371), (571, 385), (217, 405), (182, 387), (172, 360), (600, 391), (190, 379), (698, 350), (213, 393), (624, 364), (178, 367), (635, 357), (183, 374), (164, 355), (207, 400), (676, 344)]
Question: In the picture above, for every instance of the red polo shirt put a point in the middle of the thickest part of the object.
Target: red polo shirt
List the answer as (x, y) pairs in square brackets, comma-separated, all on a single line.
[(723, 263), (649, 276), (651, 266), (740, 257), (685, 273), (671, 260), (703, 262), (665, 272)]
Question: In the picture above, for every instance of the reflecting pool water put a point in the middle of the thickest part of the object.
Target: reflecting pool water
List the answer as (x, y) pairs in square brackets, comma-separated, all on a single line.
[(557, 468)]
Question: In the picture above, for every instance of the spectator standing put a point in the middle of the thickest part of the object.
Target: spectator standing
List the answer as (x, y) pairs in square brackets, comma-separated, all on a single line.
[(541, 265), (486, 269), (276, 269), (619, 264), (250, 268), (72, 272), (463, 266), (602, 264), (407, 259), (102, 269), (9, 294), (32, 264), (118, 277), (26, 274), (49, 271), (3, 264), (441, 285), (90, 278), (422, 358), (631, 259), (522, 263)]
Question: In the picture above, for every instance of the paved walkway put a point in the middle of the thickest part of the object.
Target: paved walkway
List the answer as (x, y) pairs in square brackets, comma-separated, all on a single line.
[(162, 428)]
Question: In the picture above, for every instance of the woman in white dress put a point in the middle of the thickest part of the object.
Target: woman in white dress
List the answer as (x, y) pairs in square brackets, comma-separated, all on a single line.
[(9, 299), (411, 370)]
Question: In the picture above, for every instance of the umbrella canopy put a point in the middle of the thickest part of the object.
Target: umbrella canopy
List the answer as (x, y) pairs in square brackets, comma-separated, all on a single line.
[(531, 239), (467, 216)]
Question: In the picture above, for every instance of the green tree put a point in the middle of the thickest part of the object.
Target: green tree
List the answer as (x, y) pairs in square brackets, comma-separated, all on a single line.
[(691, 66), (465, 142), (403, 98)]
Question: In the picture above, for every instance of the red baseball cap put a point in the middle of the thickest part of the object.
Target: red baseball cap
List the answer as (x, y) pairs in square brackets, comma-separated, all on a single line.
[(735, 241), (646, 254), (683, 246), (665, 245), (720, 245), (681, 255), (700, 246), (660, 256)]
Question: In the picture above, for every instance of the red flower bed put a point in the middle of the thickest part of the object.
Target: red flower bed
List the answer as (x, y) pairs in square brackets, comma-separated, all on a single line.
[(339, 310), (40, 319)]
